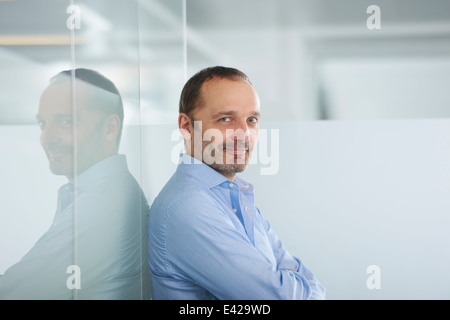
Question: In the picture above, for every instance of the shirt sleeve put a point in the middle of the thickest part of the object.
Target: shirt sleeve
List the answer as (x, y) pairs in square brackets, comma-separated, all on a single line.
[(287, 262), (108, 252), (41, 273), (204, 247)]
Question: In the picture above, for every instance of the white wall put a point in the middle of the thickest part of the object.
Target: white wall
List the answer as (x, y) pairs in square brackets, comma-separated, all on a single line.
[(28, 192), (386, 88), (347, 194), (350, 194)]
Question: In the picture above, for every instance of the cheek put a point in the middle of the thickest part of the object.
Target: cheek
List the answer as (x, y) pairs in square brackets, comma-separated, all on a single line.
[(215, 136), (56, 136), (254, 136), (41, 139), (87, 136), (66, 135), (88, 128)]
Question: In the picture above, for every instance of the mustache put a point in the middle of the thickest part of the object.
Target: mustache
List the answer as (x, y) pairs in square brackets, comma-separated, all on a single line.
[(237, 145), (55, 149)]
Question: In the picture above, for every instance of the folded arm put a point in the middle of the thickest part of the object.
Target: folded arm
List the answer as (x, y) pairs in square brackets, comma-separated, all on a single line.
[(205, 247)]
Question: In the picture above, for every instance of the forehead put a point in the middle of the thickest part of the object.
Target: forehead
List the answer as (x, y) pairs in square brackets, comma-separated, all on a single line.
[(58, 98), (228, 95)]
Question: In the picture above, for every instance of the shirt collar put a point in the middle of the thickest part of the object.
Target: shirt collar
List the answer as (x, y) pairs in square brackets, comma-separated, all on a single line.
[(98, 171), (209, 176), (243, 185)]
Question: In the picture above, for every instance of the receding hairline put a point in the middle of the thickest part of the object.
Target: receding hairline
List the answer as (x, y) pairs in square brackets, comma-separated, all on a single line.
[(236, 78), (89, 76), (190, 95), (102, 90)]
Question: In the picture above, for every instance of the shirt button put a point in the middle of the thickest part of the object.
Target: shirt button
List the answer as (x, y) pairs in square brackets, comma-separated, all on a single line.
[(230, 185), (234, 210)]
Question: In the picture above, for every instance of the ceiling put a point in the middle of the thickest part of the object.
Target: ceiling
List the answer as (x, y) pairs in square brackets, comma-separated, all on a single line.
[(142, 44)]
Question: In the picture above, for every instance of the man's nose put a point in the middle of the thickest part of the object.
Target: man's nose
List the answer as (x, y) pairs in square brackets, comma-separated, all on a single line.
[(242, 131), (49, 135)]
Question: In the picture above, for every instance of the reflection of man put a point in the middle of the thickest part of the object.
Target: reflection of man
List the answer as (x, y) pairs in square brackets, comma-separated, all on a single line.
[(95, 247), (207, 240)]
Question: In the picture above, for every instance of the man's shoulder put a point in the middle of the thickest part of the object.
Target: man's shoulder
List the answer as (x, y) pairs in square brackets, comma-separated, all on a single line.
[(183, 192), (180, 186)]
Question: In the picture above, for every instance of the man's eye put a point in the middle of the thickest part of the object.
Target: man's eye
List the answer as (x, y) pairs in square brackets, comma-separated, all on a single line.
[(225, 119), (254, 120), (65, 122)]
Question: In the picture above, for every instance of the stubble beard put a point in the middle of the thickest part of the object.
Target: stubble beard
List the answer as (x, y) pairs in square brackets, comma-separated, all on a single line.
[(230, 164)]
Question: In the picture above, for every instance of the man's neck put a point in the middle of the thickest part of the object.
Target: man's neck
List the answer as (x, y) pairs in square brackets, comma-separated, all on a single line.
[(229, 176), (70, 177)]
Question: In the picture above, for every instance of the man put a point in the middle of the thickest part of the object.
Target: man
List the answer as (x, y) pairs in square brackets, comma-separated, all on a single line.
[(95, 247), (207, 240)]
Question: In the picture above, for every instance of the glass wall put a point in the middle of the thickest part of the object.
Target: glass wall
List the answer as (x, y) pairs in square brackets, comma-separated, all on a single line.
[(35, 46), (352, 167), (85, 87), (355, 93)]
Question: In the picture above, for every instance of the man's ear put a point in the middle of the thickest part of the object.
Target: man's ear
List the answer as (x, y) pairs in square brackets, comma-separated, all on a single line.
[(185, 126), (112, 127)]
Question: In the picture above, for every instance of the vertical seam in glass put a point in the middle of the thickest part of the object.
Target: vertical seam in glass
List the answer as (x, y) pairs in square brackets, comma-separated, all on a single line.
[(185, 40), (143, 260), (75, 150)]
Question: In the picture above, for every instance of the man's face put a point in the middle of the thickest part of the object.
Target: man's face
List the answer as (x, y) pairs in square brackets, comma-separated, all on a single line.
[(229, 116), (58, 128)]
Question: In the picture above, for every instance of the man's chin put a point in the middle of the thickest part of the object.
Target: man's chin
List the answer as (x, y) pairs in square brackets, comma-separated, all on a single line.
[(60, 170), (227, 169), (228, 163)]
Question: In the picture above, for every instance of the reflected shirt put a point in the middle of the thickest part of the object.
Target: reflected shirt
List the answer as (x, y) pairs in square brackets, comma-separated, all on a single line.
[(207, 240), (101, 229)]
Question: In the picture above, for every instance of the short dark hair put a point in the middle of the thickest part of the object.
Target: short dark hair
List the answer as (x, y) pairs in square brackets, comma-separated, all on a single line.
[(98, 80), (190, 95)]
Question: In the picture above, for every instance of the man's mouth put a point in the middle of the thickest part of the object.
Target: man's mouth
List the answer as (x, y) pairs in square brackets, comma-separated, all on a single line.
[(236, 149), (57, 154)]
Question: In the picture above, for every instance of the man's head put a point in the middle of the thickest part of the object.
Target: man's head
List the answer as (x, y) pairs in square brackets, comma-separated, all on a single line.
[(219, 115), (81, 116)]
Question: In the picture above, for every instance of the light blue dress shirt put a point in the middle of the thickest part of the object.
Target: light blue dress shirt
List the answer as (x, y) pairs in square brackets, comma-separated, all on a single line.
[(105, 239), (207, 240)]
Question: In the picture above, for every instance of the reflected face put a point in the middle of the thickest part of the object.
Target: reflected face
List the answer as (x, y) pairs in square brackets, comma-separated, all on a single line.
[(58, 128), (229, 116)]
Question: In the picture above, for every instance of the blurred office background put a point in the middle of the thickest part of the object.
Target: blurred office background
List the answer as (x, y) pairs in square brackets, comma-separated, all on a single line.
[(363, 172)]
